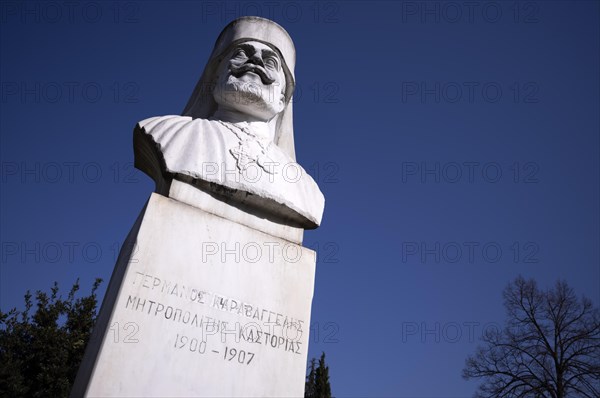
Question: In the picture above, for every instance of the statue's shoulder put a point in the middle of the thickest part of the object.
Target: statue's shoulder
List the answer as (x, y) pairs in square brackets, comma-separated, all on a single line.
[(164, 129), (165, 146), (156, 123)]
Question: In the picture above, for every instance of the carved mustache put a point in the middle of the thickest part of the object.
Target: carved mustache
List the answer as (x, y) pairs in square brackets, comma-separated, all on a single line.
[(238, 71)]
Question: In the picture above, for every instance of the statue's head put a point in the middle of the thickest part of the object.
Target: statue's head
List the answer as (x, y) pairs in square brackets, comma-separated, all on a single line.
[(250, 80), (251, 71)]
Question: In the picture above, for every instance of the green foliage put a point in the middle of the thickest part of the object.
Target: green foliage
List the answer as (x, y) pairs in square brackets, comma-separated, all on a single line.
[(317, 381), (309, 386), (40, 352)]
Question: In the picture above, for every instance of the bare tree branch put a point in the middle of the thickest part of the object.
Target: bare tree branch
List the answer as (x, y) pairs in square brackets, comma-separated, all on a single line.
[(549, 347)]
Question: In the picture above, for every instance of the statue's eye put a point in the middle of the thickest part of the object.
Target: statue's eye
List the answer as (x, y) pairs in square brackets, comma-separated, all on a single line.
[(239, 53), (272, 62)]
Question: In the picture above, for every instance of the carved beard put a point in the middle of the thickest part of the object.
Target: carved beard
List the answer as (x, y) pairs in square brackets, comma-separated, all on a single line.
[(236, 92)]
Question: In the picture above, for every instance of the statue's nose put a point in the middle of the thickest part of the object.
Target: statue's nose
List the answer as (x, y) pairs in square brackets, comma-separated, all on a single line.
[(256, 60)]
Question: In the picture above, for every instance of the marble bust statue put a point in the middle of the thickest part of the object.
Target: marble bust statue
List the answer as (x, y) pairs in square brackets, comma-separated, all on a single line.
[(235, 139)]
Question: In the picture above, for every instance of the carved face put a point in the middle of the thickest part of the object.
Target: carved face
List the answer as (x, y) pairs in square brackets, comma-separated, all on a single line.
[(251, 80)]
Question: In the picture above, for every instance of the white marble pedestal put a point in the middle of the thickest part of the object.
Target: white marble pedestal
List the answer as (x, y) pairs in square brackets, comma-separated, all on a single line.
[(199, 305)]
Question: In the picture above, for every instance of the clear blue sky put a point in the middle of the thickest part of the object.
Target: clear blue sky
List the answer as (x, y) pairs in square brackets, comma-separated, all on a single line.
[(457, 147)]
